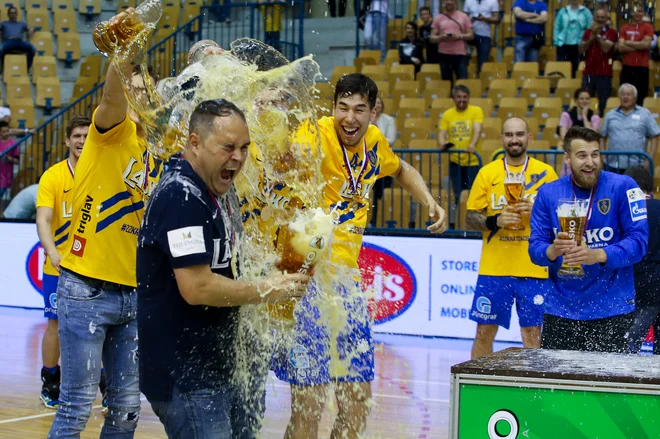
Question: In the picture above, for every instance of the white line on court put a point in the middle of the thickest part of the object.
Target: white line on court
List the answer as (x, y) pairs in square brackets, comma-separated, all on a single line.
[(41, 415)]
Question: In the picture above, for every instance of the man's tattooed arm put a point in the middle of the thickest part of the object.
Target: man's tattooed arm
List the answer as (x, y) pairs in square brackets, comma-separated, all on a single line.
[(476, 220)]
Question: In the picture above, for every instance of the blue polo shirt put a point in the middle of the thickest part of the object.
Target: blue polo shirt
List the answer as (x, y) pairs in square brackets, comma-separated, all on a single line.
[(13, 29), (180, 344), (628, 133), (529, 29)]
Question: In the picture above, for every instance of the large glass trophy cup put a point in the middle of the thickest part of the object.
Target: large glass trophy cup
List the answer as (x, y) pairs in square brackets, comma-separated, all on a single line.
[(572, 220), (514, 187)]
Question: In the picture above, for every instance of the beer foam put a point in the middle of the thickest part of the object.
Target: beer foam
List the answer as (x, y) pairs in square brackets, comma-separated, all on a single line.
[(570, 210)]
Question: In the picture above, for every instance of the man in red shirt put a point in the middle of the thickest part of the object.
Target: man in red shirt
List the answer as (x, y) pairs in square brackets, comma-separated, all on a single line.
[(598, 46), (635, 43)]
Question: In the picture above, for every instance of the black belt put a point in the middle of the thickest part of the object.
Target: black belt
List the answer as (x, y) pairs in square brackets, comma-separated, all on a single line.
[(98, 283)]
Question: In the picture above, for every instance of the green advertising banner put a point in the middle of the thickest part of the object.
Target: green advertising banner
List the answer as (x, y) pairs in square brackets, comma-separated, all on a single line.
[(497, 412)]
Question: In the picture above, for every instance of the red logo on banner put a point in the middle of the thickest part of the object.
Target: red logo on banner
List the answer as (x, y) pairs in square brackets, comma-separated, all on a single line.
[(32, 266), (390, 279)]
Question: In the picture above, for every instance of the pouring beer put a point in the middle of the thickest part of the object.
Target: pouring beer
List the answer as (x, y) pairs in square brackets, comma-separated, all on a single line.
[(572, 215), (514, 187)]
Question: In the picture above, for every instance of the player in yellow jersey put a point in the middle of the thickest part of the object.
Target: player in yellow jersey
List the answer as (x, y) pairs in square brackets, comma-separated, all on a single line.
[(97, 301), (355, 155), (53, 226), (488, 211)]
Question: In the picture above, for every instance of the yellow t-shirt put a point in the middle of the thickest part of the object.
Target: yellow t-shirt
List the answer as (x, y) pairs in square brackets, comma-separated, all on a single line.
[(460, 129), (55, 191), (272, 17), (351, 211), (110, 191), (504, 252)]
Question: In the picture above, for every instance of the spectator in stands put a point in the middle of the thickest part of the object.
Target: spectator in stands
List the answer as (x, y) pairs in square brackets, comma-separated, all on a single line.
[(433, 7), (598, 47), (635, 44), (531, 16), (13, 32), (483, 13), (570, 24), (451, 30), (8, 161), (425, 31), (580, 115), (647, 271), (460, 128), (332, 6), (411, 47), (628, 128), (384, 122), (23, 205), (375, 26)]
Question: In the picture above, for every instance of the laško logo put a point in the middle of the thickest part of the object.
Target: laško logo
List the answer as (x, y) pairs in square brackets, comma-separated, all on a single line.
[(390, 279), (34, 266)]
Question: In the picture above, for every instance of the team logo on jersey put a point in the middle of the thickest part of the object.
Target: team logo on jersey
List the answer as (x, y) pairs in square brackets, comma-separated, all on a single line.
[(78, 246), (636, 203), (604, 206), (391, 280)]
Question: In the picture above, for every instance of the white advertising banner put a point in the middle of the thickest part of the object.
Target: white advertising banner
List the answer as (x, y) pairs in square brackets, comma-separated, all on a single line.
[(422, 286)]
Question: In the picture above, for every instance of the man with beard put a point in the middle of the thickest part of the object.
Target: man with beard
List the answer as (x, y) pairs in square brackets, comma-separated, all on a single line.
[(593, 312), (490, 212)]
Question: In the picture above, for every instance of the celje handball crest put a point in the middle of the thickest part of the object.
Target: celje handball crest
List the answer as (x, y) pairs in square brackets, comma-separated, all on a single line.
[(389, 280)]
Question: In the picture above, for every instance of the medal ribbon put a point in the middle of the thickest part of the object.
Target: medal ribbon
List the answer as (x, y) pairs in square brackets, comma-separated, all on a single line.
[(145, 184), (506, 167), (68, 164), (354, 182), (226, 219), (591, 201)]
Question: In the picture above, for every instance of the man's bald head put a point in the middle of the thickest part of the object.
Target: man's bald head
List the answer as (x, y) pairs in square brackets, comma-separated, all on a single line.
[(515, 136), (514, 123)]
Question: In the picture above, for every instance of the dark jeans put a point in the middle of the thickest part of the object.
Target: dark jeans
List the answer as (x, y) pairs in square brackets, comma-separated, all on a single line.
[(639, 77), (645, 317), (332, 5), (451, 65), (601, 85), (273, 40), (482, 44), (569, 53), (18, 45), (601, 335), (198, 414)]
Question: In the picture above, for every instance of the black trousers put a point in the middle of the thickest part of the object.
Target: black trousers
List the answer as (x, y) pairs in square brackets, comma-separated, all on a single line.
[(601, 85), (569, 53), (601, 335), (639, 77), (332, 5)]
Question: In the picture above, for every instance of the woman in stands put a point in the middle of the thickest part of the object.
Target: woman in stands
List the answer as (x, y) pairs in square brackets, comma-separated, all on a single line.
[(579, 115), (411, 48)]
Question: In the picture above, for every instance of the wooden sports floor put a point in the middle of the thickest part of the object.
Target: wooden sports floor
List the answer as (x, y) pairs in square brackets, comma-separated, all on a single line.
[(411, 389)]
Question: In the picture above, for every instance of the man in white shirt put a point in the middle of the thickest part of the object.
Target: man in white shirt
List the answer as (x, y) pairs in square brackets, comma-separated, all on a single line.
[(483, 13)]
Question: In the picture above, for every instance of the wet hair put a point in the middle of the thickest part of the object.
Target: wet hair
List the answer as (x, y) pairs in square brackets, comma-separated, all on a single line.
[(580, 133), (642, 177), (578, 92), (357, 83), (77, 121), (414, 26), (206, 112), (458, 88)]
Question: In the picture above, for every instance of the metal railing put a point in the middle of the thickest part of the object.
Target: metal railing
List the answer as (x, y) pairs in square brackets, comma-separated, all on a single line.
[(168, 57)]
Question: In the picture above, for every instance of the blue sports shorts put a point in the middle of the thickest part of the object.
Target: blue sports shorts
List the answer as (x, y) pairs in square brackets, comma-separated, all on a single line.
[(49, 291)]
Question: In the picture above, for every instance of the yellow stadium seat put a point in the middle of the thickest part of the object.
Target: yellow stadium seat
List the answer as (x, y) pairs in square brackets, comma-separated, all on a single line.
[(36, 4), (431, 74), (566, 88), (81, 87), (91, 67), (473, 84), (22, 113), (372, 54), (491, 71), (43, 67), (563, 69), (190, 11), (524, 70), (383, 88), (340, 71), (502, 88), (415, 128), (38, 19), (68, 48), (89, 7), (62, 5), (376, 72), (401, 73), (64, 22), (539, 144), (535, 88), (512, 107), (547, 107), (438, 107), (19, 88), (486, 105), (325, 90), (549, 132), (15, 66), (405, 89), (360, 62), (43, 43), (488, 147), (441, 91)]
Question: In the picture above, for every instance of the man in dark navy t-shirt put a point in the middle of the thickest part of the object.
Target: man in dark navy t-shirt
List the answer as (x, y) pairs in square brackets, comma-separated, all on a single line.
[(187, 298)]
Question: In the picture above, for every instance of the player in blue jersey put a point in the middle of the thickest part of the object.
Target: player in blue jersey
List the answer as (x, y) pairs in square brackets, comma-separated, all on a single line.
[(592, 313)]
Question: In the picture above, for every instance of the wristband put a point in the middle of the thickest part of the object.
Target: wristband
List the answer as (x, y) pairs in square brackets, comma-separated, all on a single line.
[(491, 222)]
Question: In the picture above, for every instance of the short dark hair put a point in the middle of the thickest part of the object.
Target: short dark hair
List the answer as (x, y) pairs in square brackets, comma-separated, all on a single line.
[(206, 112), (580, 133), (425, 8), (76, 122), (458, 88), (413, 24), (578, 92), (3, 123), (642, 177), (356, 83)]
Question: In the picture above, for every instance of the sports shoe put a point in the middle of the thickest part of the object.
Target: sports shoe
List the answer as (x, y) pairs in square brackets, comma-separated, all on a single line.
[(50, 388), (104, 394)]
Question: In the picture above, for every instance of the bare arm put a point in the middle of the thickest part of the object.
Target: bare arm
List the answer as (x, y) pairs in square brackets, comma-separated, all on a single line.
[(31, 31), (476, 135), (436, 36), (442, 137), (622, 47), (605, 45), (603, 143), (468, 36), (200, 286), (653, 149), (476, 220), (44, 220), (645, 44), (519, 13), (540, 19), (562, 132)]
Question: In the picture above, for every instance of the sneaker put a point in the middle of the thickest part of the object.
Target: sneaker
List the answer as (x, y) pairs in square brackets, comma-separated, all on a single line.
[(50, 388), (104, 394)]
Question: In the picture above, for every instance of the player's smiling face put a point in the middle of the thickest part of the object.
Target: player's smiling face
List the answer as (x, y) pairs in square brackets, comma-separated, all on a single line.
[(352, 114), (585, 163)]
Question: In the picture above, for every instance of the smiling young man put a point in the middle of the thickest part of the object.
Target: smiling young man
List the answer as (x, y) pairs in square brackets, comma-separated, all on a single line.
[(53, 226), (594, 312), (355, 155), (187, 296)]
